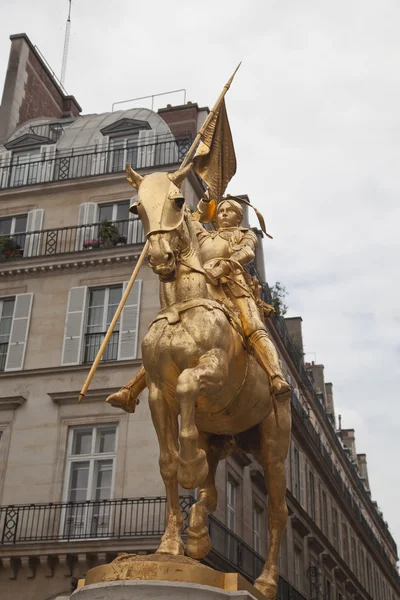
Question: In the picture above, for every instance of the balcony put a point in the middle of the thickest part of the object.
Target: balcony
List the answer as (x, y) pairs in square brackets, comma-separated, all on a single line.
[(24, 170), (121, 519), (93, 342), (64, 240)]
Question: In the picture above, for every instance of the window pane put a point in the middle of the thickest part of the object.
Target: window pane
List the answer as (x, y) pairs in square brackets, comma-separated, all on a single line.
[(106, 212), (102, 479), (20, 224), (82, 442), (95, 319), (105, 440), (5, 226), (8, 308), (78, 481), (123, 210), (97, 297), (114, 299)]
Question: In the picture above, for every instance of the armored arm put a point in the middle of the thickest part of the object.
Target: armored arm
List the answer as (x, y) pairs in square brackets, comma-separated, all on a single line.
[(244, 251)]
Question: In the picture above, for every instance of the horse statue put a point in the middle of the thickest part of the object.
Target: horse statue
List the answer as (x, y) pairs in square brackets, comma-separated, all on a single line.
[(198, 368)]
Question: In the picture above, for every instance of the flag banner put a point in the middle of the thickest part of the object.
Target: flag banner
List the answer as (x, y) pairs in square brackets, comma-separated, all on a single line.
[(215, 159)]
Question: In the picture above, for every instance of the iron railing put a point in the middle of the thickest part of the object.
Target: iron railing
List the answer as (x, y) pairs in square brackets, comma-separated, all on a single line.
[(92, 345), (22, 170), (121, 519), (3, 355), (63, 240)]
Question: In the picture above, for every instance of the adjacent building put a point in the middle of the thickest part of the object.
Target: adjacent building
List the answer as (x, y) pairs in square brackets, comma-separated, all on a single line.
[(79, 484)]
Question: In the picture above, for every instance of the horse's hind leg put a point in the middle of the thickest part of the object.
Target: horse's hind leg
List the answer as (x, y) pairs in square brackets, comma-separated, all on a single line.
[(206, 378), (166, 426), (273, 449), (198, 543)]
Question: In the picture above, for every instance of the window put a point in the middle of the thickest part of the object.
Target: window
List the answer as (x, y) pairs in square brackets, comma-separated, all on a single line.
[(296, 473), (25, 168), (298, 568), (12, 235), (324, 513), (89, 477), (6, 317), (354, 556), (345, 538), (311, 496), (118, 211), (335, 527), (122, 151), (231, 499), (103, 303), (257, 527)]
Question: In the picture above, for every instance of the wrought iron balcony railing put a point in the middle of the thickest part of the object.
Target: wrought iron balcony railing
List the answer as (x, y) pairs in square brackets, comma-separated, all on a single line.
[(23, 170), (121, 519), (92, 345), (63, 240)]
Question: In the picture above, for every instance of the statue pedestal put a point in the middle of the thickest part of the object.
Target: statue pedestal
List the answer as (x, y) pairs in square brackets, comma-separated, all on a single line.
[(162, 577), (157, 590)]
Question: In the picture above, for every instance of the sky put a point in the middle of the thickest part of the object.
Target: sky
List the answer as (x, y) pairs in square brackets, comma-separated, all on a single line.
[(314, 112)]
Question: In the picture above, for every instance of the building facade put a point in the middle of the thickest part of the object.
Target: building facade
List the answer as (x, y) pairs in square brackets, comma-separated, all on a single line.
[(79, 484)]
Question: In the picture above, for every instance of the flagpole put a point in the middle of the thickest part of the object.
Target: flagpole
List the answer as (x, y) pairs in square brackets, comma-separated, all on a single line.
[(209, 118)]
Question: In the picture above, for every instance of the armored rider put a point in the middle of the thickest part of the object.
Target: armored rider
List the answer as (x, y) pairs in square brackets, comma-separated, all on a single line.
[(224, 252)]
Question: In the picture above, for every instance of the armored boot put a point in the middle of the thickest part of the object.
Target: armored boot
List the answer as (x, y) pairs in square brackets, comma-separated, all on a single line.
[(267, 357), (127, 397)]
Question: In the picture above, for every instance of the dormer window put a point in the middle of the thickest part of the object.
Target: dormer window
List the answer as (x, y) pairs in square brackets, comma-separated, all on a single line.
[(25, 167), (128, 140)]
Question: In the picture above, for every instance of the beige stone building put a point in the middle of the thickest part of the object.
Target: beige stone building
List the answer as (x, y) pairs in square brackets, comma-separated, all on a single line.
[(80, 484)]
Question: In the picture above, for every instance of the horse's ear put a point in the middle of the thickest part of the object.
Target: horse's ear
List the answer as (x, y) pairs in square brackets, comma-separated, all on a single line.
[(180, 175), (134, 178)]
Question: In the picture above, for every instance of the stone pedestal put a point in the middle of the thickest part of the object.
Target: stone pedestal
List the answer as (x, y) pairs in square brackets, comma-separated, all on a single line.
[(157, 590)]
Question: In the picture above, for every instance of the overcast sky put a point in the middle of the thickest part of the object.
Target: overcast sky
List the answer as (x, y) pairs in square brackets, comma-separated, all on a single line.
[(314, 112)]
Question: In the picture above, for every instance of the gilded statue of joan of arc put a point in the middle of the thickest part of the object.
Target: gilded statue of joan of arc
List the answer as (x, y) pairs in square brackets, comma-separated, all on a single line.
[(225, 252)]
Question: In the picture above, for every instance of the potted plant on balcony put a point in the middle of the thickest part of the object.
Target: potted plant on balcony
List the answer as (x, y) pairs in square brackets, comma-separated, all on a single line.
[(108, 233), (89, 244), (9, 248)]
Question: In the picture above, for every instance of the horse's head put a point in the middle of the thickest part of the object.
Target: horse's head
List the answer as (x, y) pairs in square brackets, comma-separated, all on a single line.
[(160, 206)]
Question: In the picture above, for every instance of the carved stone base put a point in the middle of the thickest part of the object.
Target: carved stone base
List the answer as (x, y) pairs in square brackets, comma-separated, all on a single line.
[(162, 576), (156, 590)]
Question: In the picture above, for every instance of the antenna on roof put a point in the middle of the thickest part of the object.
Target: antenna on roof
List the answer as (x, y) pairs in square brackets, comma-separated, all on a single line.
[(66, 43)]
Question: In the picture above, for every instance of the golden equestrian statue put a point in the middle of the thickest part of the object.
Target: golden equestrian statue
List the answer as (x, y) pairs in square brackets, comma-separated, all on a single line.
[(208, 359)]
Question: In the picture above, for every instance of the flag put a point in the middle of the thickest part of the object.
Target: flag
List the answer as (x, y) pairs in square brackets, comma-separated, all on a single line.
[(215, 159)]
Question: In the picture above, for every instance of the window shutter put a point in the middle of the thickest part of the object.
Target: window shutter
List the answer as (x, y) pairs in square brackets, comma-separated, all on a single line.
[(99, 160), (48, 154), (19, 332), (5, 162), (128, 334), (147, 142), (74, 324), (34, 223), (87, 215), (303, 495)]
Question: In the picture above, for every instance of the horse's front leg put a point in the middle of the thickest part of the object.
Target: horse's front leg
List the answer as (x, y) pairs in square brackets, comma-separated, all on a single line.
[(198, 543), (166, 426), (206, 379)]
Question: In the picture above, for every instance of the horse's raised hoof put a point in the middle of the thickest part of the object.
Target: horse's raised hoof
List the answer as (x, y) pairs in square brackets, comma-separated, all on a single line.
[(192, 473), (171, 546), (267, 586), (198, 545)]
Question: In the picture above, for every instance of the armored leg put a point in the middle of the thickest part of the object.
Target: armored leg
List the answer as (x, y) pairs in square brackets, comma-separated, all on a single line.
[(267, 358), (127, 397)]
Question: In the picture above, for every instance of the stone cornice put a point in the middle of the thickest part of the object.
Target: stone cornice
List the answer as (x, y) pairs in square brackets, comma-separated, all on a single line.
[(11, 402), (68, 369), (78, 260), (98, 395)]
